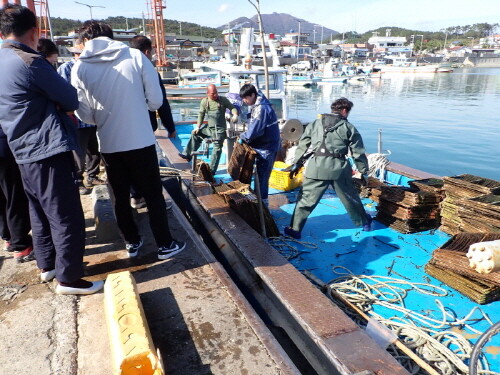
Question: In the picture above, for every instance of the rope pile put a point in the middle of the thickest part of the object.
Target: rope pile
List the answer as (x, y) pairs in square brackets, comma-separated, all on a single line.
[(431, 338)]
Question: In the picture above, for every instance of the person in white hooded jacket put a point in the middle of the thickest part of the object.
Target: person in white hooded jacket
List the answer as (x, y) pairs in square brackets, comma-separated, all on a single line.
[(116, 86)]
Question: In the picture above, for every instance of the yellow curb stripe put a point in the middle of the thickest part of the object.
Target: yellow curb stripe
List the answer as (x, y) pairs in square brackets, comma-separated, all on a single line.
[(131, 344)]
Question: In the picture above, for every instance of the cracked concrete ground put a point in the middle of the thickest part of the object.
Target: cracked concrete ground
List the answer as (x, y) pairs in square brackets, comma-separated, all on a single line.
[(195, 323)]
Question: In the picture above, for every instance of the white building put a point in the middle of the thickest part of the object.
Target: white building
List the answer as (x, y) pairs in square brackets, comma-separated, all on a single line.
[(387, 43)]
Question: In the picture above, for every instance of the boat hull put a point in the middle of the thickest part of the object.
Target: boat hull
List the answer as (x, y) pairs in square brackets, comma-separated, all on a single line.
[(190, 91)]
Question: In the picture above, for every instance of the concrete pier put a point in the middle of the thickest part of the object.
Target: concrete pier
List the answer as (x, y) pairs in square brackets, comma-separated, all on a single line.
[(199, 321)]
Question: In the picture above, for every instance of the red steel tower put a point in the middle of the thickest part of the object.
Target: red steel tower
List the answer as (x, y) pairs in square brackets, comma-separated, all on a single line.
[(157, 7)]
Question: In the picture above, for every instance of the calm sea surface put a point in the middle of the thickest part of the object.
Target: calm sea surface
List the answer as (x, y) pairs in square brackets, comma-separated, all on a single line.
[(446, 124)]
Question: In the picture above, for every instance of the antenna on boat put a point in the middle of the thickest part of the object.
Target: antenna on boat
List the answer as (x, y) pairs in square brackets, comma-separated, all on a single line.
[(256, 5)]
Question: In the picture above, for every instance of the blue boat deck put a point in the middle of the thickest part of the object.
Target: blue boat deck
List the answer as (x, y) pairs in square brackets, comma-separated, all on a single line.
[(339, 246)]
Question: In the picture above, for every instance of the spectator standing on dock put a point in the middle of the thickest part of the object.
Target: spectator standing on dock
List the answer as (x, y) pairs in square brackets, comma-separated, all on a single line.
[(127, 142), (262, 134), (14, 212), (143, 44), (88, 156), (34, 102), (48, 49), (214, 107), (331, 137)]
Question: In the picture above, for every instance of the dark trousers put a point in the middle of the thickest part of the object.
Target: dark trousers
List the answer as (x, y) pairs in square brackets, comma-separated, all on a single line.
[(138, 168), (264, 168), (88, 156), (14, 210), (57, 221)]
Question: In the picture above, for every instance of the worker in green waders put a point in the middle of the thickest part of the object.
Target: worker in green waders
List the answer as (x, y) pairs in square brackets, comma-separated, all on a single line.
[(330, 137), (214, 107)]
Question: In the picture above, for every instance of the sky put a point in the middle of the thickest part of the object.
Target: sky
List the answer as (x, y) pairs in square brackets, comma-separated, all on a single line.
[(346, 15)]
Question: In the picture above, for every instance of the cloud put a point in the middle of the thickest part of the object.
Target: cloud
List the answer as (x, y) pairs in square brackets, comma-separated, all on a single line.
[(223, 7)]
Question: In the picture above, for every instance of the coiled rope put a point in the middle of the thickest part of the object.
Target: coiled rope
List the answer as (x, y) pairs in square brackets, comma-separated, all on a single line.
[(429, 337), (376, 165)]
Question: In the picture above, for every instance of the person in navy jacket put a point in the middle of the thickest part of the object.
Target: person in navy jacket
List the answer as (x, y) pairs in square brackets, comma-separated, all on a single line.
[(34, 102), (263, 133)]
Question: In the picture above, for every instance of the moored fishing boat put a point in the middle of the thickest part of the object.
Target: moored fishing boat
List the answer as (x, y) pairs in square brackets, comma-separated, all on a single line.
[(332, 249), (196, 83)]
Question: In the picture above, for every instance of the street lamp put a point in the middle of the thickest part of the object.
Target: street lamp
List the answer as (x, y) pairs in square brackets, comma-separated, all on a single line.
[(90, 7)]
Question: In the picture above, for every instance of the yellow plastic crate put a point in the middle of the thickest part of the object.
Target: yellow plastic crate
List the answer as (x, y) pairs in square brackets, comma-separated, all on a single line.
[(281, 180)]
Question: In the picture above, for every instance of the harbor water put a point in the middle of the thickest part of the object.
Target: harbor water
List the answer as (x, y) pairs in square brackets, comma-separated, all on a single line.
[(446, 124)]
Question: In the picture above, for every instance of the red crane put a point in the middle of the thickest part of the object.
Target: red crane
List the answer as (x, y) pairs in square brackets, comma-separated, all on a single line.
[(157, 7), (42, 11)]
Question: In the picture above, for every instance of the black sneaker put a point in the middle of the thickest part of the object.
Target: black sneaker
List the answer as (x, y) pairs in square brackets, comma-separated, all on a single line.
[(133, 248), (26, 255), (292, 233), (185, 157), (175, 247)]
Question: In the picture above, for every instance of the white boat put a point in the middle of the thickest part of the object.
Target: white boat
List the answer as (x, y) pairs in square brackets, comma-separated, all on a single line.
[(401, 64), (238, 76), (298, 78), (196, 84)]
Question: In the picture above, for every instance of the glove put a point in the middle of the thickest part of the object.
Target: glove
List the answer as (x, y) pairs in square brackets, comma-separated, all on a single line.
[(234, 119), (195, 131), (293, 170), (240, 141)]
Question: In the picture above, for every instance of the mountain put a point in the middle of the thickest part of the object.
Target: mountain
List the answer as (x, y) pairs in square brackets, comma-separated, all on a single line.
[(281, 23)]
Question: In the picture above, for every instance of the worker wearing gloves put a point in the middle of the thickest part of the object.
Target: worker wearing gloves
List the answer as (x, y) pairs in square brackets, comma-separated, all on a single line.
[(214, 107), (262, 134), (331, 137)]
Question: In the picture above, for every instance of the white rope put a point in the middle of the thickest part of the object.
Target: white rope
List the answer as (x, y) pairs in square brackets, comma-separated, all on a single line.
[(429, 337), (376, 165)]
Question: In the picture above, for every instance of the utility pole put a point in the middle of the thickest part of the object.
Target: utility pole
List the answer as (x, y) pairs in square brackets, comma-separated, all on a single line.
[(180, 27), (298, 43), (322, 27), (256, 5), (314, 34), (90, 7), (143, 25)]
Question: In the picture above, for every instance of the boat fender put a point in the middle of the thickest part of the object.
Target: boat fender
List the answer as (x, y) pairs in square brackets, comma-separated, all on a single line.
[(484, 257)]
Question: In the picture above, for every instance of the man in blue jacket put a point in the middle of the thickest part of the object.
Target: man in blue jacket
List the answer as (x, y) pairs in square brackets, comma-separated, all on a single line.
[(263, 134), (34, 101)]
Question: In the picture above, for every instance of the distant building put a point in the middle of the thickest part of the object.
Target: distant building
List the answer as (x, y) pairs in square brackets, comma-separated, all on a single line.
[(296, 45), (388, 43)]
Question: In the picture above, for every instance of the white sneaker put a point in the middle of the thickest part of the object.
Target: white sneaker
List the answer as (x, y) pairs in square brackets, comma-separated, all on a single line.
[(133, 248), (89, 287), (175, 247), (47, 276)]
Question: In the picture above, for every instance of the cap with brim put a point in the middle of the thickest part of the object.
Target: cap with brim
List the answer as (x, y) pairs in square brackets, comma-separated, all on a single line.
[(75, 50)]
